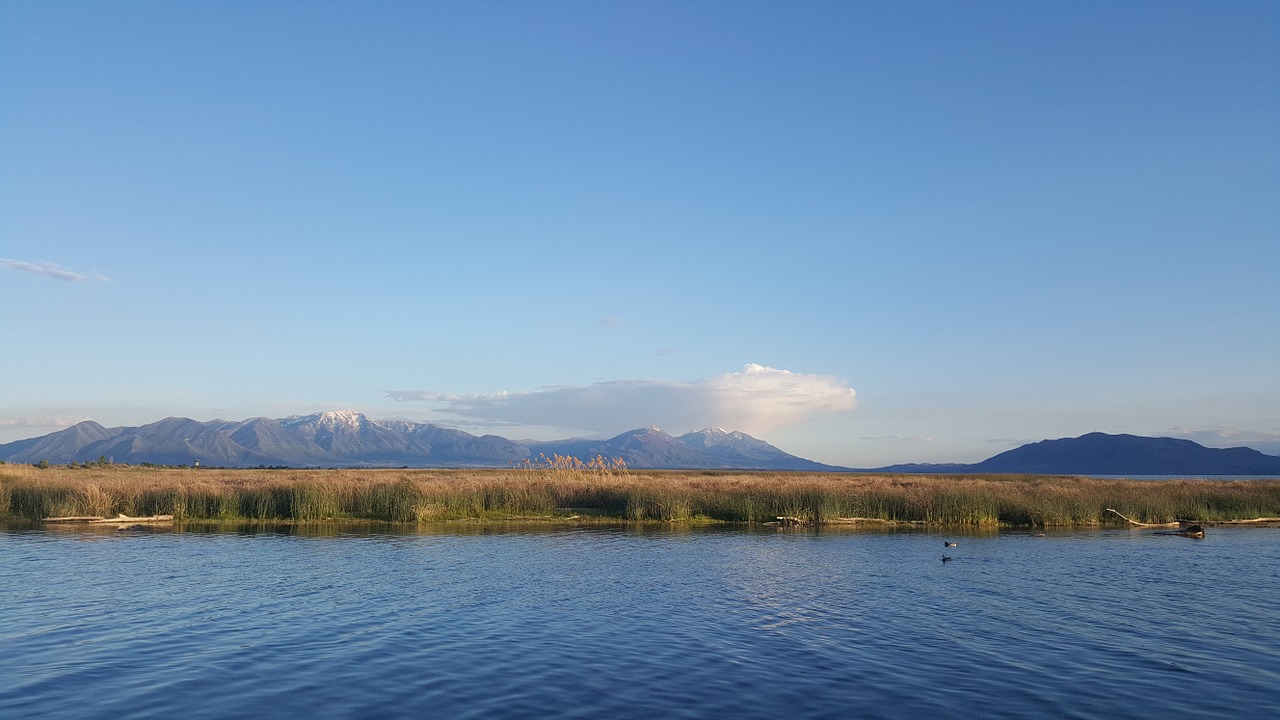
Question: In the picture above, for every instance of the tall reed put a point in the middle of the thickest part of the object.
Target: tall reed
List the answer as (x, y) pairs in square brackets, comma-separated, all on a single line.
[(560, 487)]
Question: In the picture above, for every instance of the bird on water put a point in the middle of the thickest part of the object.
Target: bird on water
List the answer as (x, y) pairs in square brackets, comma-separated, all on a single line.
[(946, 558), (947, 543)]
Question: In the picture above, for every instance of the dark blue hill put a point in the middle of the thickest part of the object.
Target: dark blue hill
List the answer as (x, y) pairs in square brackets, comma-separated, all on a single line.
[(1103, 454)]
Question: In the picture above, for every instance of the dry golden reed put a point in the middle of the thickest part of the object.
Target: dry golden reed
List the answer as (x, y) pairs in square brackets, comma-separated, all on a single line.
[(565, 488)]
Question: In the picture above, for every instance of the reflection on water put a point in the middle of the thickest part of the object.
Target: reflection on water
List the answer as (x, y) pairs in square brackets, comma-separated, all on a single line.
[(630, 621)]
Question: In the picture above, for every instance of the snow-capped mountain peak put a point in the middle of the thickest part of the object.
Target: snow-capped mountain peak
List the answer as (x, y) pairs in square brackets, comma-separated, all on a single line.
[(349, 418), (331, 419)]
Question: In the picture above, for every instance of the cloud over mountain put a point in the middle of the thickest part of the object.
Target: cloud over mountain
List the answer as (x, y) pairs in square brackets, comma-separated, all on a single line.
[(755, 399)]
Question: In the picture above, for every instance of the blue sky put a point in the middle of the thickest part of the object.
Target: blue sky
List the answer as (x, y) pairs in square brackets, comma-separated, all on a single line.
[(868, 232)]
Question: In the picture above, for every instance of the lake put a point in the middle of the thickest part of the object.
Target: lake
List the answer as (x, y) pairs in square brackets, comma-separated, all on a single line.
[(593, 622)]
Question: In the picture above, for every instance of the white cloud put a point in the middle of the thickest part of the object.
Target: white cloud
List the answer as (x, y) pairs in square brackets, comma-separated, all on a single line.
[(51, 270), (755, 399)]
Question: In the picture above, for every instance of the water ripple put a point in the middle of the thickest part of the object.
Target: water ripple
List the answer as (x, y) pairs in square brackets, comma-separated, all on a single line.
[(625, 623)]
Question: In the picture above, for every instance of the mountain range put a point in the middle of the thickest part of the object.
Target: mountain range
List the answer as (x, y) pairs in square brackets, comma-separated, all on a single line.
[(350, 439)]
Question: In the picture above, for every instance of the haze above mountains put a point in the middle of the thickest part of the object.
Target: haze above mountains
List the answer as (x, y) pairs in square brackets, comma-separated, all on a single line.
[(350, 439)]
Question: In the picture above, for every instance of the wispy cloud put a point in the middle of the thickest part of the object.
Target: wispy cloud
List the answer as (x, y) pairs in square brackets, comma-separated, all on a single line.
[(1012, 442), (1262, 441), (609, 322), (38, 422), (898, 438), (51, 270), (755, 399)]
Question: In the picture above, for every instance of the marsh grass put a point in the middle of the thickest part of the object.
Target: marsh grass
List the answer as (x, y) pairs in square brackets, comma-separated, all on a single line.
[(564, 488)]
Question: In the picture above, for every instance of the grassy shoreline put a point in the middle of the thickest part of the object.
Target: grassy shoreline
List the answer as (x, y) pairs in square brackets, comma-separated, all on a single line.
[(582, 494)]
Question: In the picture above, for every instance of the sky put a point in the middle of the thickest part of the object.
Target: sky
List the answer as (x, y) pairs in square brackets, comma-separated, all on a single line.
[(866, 232)]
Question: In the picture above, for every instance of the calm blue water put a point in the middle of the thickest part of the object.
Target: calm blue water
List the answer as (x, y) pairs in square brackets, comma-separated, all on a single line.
[(646, 623)]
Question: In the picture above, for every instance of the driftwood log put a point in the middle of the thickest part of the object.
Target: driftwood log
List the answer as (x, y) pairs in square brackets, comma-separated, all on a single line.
[(120, 519), (1142, 524), (1184, 530)]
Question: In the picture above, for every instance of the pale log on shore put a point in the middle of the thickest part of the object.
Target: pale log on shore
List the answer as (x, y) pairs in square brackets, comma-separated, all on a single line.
[(1199, 522), (119, 519), (788, 520), (1142, 524)]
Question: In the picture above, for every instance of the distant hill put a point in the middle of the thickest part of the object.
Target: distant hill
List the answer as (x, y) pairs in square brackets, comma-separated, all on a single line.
[(712, 448), (1102, 454), (350, 439)]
